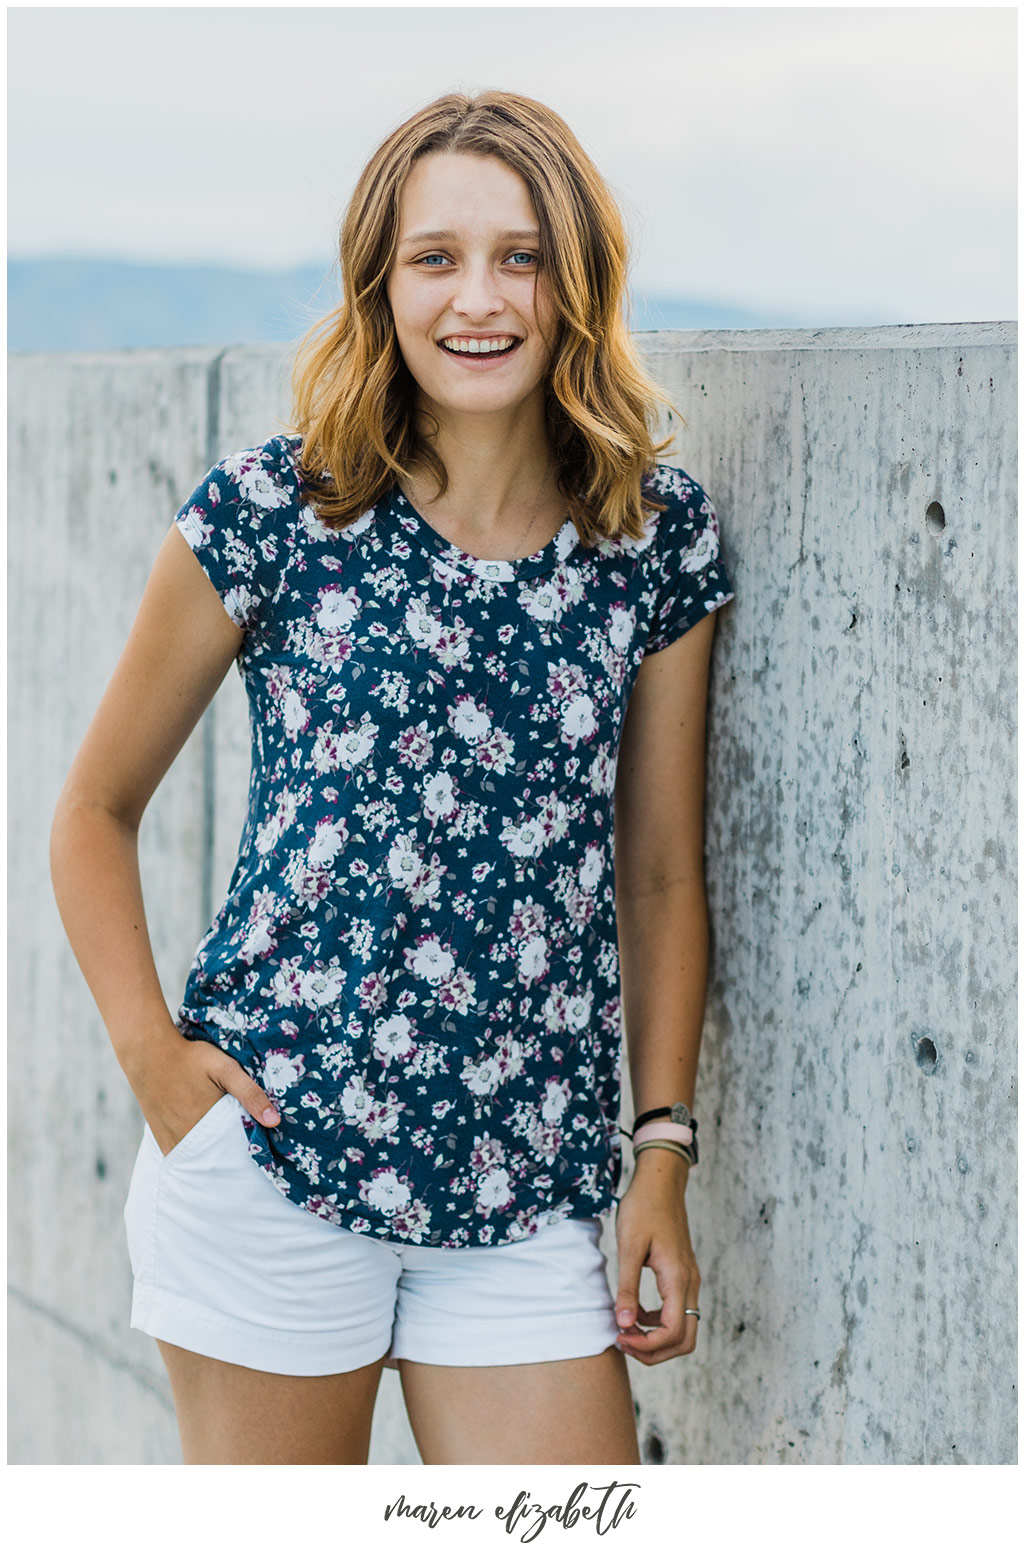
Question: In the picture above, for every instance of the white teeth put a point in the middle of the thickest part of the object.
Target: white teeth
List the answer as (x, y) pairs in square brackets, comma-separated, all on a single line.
[(469, 344)]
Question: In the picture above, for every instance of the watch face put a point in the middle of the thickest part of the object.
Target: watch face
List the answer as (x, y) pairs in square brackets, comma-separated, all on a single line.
[(680, 1115)]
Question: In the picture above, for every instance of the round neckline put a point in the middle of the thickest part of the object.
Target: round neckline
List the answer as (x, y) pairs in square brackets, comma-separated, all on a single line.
[(412, 524)]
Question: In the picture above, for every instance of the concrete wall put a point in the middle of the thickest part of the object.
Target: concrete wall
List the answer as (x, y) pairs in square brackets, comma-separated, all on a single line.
[(853, 1211)]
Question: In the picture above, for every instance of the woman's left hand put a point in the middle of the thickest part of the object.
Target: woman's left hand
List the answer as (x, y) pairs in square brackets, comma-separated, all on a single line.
[(651, 1230)]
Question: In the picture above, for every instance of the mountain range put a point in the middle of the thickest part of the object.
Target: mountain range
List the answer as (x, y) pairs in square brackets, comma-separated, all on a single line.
[(89, 305)]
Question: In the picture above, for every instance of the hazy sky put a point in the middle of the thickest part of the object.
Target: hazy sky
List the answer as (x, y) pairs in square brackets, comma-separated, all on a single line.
[(855, 162)]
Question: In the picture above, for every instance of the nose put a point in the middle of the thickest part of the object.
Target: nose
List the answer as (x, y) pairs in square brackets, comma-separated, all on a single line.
[(476, 294)]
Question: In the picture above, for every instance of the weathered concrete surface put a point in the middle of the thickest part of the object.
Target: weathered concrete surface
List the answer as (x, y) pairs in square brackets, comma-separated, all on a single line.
[(99, 448), (854, 1206), (853, 1210)]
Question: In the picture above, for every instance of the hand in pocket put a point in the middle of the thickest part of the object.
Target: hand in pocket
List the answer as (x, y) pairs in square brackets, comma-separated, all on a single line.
[(179, 1082)]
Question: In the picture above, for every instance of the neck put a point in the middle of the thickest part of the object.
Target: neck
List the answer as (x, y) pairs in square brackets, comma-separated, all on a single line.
[(496, 470)]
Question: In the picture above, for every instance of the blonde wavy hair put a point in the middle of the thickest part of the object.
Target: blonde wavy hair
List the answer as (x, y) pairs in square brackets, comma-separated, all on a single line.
[(354, 400)]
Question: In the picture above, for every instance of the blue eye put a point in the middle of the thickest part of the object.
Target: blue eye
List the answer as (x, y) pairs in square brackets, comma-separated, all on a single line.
[(425, 259), (524, 254)]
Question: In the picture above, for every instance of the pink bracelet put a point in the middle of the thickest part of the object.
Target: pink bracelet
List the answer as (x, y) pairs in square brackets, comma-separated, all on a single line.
[(668, 1131)]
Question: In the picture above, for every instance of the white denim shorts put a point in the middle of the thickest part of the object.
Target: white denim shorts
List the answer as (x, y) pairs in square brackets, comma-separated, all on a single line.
[(226, 1266)]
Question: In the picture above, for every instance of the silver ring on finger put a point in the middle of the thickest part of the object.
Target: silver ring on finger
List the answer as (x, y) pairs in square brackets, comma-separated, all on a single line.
[(692, 1312)]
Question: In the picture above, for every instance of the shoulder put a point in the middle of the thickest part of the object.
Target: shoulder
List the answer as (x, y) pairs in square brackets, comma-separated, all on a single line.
[(684, 496), (686, 524), (687, 573), (261, 477), (680, 496), (240, 523)]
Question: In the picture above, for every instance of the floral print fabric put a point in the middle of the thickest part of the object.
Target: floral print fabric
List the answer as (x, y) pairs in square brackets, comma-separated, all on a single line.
[(417, 954)]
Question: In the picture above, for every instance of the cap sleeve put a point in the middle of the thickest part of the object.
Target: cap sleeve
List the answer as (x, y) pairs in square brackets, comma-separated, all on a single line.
[(229, 522), (690, 575)]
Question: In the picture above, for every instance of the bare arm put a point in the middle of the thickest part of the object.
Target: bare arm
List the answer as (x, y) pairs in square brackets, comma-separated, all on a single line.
[(177, 654), (661, 905)]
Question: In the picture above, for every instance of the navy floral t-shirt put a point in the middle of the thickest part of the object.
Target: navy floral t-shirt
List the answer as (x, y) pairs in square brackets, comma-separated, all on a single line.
[(417, 952)]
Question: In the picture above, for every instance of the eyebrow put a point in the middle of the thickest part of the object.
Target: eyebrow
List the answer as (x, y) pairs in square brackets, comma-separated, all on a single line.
[(444, 236)]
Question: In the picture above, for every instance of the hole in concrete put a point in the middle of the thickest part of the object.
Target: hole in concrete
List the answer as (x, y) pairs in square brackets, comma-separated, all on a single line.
[(935, 518), (904, 761), (925, 1053), (654, 1450), (101, 1169)]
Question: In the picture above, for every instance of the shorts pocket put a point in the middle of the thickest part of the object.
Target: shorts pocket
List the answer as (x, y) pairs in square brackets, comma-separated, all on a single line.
[(140, 1204), (206, 1126)]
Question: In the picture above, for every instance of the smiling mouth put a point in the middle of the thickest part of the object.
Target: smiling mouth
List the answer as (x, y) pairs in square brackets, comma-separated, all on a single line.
[(476, 350)]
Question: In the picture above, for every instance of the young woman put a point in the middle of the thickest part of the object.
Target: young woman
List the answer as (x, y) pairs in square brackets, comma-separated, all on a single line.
[(474, 620)]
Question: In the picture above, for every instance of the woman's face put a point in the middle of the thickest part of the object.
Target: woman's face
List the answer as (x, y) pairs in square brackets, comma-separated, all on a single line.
[(472, 316)]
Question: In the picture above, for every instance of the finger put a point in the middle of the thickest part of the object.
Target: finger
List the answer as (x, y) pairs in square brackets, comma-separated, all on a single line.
[(643, 1345), (236, 1080), (673, 1283), (691, 1302), (657, 1345), (690, 1333), (659, 1354), (667, 1324), (645, 1319), (627, 1296), (650, 1351), (654, 1358)]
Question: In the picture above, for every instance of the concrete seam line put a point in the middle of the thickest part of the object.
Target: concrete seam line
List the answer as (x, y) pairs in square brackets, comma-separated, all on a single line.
[(93, 1344)]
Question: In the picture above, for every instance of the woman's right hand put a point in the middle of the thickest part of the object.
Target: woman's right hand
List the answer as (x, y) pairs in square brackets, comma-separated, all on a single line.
[(178, 1080)]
